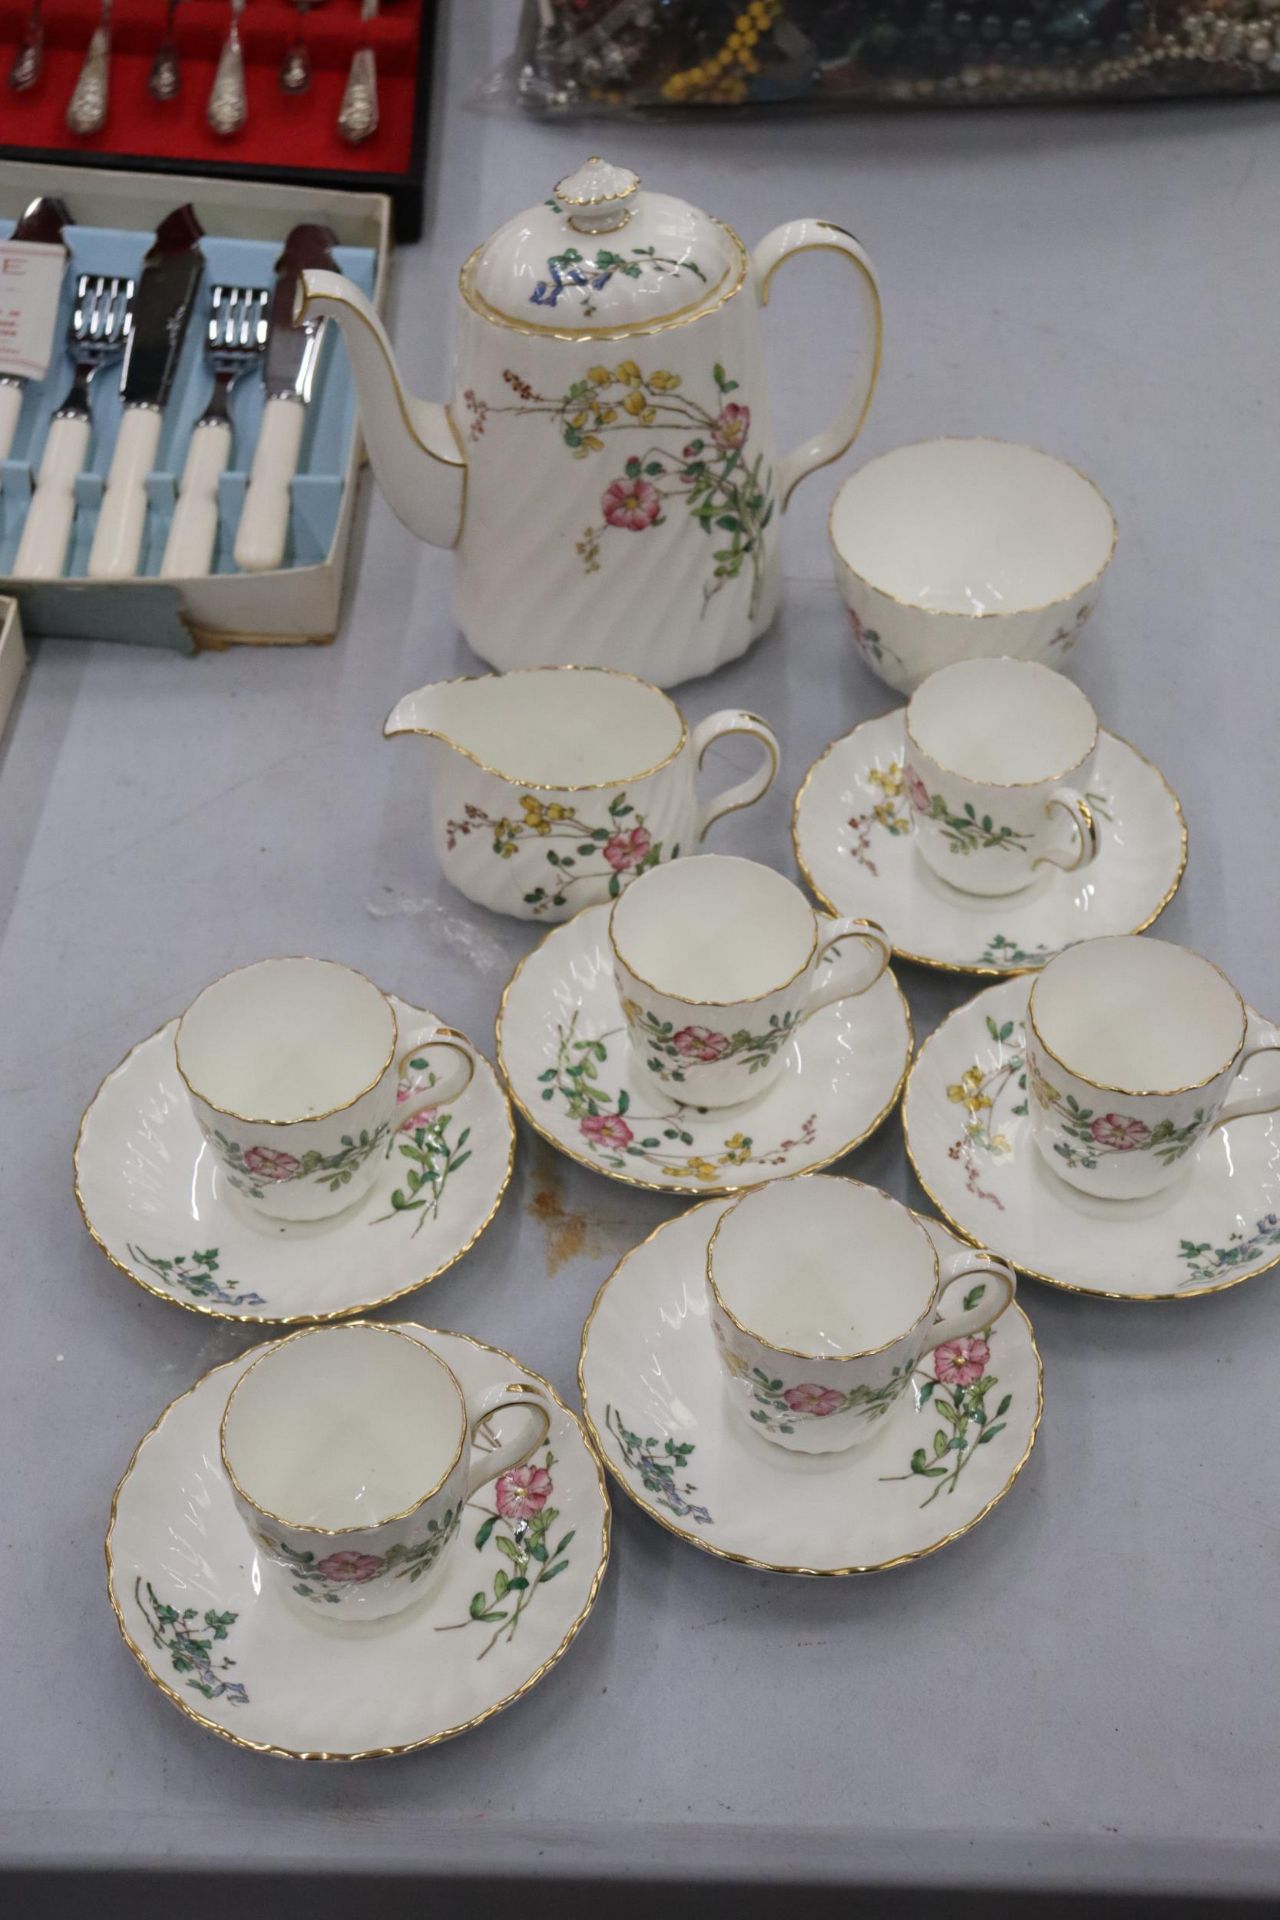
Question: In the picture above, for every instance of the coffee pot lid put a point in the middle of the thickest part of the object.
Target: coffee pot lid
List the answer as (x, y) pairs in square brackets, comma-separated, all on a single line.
[(600, 255)]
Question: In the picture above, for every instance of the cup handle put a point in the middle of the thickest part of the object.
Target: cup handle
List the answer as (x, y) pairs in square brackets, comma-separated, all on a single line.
[(488, 1464), (715, 727), (822, 236), (447, 1039), (967, 1266), (1080, 814), (873, 938), (1260, 1036)]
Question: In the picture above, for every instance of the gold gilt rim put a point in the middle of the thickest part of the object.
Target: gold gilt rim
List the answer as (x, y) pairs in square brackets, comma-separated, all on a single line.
[(299, 1119), (960, 613), (332, 1315), (1147, 1093), (797, 1353), (668, 1186), (1003, 786), (412, 1746), (358, 1526), (741, 1000), (709, 302), (1034, 1273), (953, 966), (746, 1560), (545, 786)]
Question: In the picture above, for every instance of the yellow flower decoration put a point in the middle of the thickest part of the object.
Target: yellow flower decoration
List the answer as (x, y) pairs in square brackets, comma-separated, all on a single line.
[(599, 376), (557, 812), (578, 419), (737, 1366), (888, 779), (605, 416), (631, 1010), (664, 382), (703, 1170), (737, 1150), (629, 374), (635, 403)]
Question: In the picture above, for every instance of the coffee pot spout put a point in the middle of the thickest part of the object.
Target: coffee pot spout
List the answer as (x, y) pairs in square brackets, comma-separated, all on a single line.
[(415, 452)]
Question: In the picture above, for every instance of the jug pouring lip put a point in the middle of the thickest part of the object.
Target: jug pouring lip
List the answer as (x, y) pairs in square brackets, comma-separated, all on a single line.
[(624, 779)]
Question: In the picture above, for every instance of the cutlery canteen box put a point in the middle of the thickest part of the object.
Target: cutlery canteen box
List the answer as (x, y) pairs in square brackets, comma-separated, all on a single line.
[(289, 138), (114, 219)]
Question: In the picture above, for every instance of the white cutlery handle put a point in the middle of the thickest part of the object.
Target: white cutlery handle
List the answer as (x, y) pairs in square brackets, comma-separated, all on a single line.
[(46, 532), (264, 518), (122, 517), (10, 408), (193, 531)]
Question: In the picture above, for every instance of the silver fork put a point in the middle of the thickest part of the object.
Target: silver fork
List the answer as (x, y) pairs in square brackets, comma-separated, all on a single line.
[(234, 340), (97, 332)]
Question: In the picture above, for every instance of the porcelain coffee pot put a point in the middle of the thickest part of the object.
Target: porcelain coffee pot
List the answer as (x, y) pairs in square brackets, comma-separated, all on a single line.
[(605, 465)]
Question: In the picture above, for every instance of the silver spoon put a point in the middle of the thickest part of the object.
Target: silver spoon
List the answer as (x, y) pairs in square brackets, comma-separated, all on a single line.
[(228, 109), (166, 80), (87, 112), (28, 59), (295, 68)]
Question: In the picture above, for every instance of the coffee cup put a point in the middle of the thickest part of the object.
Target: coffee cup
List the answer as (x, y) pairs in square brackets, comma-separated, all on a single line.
[(825, 1296), (349, 1454), (293, 1067), (1133, 1047), (998, 759), (718, 962)]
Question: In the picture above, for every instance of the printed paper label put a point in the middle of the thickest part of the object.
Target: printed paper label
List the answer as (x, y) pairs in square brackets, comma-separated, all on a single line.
[(30, 282)]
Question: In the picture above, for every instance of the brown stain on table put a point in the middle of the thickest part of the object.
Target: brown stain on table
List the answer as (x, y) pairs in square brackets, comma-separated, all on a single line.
[(571, 1234)]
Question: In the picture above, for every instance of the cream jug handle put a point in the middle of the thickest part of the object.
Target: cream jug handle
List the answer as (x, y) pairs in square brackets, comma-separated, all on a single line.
[(715, 727), (821, 236)]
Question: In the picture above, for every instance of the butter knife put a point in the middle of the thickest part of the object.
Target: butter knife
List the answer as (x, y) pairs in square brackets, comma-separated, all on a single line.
[(42, 224), (288, 372), (163, 301)]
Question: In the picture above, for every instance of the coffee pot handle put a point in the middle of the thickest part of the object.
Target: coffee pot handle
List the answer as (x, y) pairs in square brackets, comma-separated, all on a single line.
[(821, 236), (746, 792)]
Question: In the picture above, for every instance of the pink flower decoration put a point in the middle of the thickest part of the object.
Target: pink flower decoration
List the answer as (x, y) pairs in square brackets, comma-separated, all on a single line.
[(809, 1398), (421, 1118), (627, 850), (522, 1491), (918, 791), (1118, 1131), (958, 1363), (732, 425), (607, 1130), (701, 1043), (633, 504), (268, 1163), (347, 1565)]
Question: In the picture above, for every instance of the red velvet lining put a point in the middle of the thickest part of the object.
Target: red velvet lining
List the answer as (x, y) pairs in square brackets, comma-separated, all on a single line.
[(282, 130)]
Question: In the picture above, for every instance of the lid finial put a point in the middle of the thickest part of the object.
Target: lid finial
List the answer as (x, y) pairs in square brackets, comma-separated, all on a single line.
[(596, 195)]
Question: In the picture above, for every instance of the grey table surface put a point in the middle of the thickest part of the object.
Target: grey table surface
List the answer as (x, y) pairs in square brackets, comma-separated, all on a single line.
[(1081, 1692)]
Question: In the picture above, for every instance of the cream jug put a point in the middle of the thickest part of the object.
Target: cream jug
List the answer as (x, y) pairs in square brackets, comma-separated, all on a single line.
[(553, 787), (605, 465)]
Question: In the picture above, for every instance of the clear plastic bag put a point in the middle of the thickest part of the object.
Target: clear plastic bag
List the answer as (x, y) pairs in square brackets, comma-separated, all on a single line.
[(593, 56)]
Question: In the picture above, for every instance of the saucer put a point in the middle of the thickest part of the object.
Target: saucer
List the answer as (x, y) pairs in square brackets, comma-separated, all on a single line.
[(851, 828), (563, 1050), (157, 1203), (653, 1394), (969, 1139), (227, 1644)]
